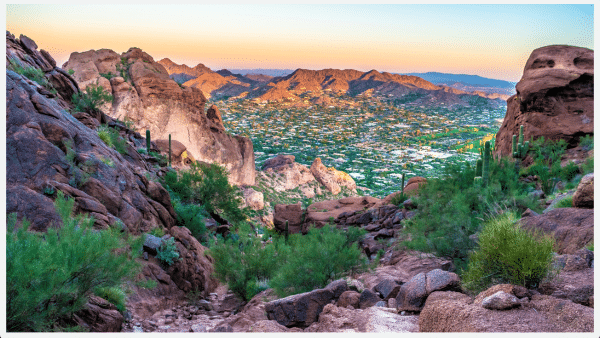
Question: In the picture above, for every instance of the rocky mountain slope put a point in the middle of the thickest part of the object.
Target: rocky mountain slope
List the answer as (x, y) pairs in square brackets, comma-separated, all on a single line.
[(49, 149), (146, 95)]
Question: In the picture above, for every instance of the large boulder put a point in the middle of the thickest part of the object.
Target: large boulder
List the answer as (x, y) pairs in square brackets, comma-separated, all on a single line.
[(193, 270), (148, 97), (584, 195), (373, 319), (299, 310), (331, 178), (320, 213), (555, 98), (573, 228), (413, 294), (283, 173), (253, 312), (455, 312)]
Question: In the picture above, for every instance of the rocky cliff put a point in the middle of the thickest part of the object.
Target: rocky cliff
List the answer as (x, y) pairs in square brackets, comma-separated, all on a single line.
[(145, 94), (49, 149), (555, 98)]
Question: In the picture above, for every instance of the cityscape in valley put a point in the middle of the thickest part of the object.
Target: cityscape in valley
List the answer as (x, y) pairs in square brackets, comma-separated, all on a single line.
[(299, 168)]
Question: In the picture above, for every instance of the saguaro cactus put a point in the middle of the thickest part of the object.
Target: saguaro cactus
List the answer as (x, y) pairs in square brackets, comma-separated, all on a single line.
[(287, 231), (478, 168), (520, 147), (148, 141), (485, 170), (169, 150)]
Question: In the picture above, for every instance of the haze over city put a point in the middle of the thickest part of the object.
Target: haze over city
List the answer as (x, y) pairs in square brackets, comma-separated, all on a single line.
[(487, 40)]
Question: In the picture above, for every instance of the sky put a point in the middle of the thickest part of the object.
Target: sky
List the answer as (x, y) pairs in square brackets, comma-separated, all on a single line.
[(488, 40)]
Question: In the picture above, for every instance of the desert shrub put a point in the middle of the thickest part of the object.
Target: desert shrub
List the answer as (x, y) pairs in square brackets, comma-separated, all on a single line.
[(90, 100), (314, 259), (111, 138), (452, 208), (508, 254), (157, 232), (546, 156), (243, 262), (569, 172), (34, 74), (192, 217), (114, 295), (398, 199), (107, 76), (249, 266), (587, 142), (167, 252), (209, 186), (566, 202), (49, 276)]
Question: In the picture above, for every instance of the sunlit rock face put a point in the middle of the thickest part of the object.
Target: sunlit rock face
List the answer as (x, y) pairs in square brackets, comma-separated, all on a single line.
[(145, 94)]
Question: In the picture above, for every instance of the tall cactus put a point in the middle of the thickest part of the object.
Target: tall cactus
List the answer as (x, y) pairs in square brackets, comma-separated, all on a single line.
[(169, 150), (148, 141), (485, 170), (287, 231), (478, 168), (520, 147)]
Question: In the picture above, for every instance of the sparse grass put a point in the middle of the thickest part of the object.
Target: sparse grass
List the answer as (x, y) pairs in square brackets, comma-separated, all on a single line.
[(91, 100), (34, 74)]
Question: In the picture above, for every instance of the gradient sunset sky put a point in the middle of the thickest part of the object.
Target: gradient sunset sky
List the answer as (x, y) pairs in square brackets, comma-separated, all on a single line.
[(487, 40)]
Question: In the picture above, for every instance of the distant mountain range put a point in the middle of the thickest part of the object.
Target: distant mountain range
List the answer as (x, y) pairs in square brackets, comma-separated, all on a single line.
[(302, 85), (468, 82)]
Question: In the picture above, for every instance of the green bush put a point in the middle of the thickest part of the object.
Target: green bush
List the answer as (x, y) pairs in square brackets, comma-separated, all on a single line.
[(34, 74), (192, 217), (157, 232), (587, 142), (398, 199), (167, 252), (566, 202), (114, 295), (207, 185), (49, 276), (508, 254), (112, 138), (452, 208), (587, 166), (90, 100), (249, 266), (243, 262), (315, 259)]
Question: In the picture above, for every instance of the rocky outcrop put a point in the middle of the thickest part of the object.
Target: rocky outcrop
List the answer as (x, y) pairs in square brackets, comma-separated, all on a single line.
[(555, 98), (288, 174), (575, 281), (373, 319), (331, 178), (456, 312), (104, 183), (145, 94), (573, 228), (584, 195), (50, 150), (98, 315)]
